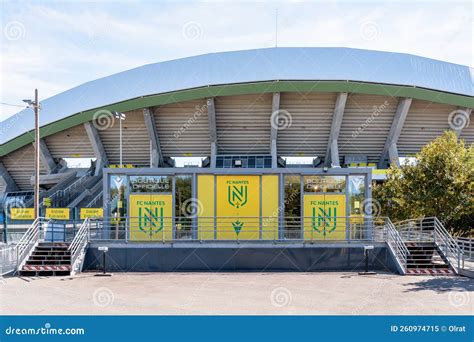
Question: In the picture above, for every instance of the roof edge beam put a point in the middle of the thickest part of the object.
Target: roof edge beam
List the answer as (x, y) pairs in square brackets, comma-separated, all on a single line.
[(332, 151), (401, 114), (211, 117), (156, 157), (97, 146), (6, 179), (274, 120)]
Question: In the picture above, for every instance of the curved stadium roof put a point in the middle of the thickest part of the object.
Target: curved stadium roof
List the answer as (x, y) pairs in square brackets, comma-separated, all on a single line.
[(239, 72)]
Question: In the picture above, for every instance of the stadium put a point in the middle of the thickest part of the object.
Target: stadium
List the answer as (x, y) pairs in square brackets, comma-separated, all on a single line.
[(246, 160)]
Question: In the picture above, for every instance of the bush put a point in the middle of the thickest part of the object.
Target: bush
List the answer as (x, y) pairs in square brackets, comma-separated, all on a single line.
[(439, 183)]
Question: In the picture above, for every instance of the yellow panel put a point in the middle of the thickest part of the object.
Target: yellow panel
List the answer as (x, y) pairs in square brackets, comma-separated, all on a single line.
[(151, 217), (91, 212), (58, 213), (238, 207), (22, 213), (325, 217), (270, 207), (205, 184)]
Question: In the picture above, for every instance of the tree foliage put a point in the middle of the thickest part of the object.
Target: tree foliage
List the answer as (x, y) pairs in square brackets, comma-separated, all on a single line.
[(439, 183)]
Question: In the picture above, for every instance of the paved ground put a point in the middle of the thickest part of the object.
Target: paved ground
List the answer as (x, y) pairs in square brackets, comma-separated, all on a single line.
[(238, 293)]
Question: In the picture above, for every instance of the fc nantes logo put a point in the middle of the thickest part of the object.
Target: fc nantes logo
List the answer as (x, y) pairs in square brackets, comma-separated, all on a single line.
[(237, 195), (151, 220), (324, 220)]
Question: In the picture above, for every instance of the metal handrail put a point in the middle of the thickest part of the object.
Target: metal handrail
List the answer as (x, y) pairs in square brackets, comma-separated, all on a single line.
[(467, 246), (74, 185), (444, 240), (95, 200), (397, 245), (430, 229), (79, 242), (28, 242)]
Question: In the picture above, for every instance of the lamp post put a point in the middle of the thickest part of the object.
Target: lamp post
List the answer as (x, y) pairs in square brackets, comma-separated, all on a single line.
[(120, 117), (36, 106)]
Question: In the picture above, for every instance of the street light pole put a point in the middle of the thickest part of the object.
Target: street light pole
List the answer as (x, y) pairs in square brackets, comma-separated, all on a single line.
[(120, 116), (120, 142), (36, 107), (37, 154)]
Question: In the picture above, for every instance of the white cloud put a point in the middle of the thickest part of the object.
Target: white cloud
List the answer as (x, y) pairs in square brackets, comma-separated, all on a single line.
[(66, 44)]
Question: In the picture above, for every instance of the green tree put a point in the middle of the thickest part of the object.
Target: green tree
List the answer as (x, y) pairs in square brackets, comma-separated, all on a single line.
[(439, 183)]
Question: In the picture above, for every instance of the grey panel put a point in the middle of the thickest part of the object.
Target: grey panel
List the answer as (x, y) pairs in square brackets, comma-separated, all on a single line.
[(20, 165), (136, 144), (169, 259), (72, 142), (243, 124), (311, 118), (183, 128), (425, 121), (366, 124)]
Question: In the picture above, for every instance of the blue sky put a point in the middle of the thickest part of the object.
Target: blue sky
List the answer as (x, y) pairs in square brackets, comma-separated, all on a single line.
[(57, 45)]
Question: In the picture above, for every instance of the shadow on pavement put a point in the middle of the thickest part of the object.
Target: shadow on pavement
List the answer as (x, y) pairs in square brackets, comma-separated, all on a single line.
[(442, 284)]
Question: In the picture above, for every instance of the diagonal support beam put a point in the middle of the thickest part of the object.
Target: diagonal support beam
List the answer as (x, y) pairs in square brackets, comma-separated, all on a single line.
[(390, 151), (46, 157), (211, 115), (274, 128), (7, 180), (464, 120), (99, 150), (332, 152), (156, 157)]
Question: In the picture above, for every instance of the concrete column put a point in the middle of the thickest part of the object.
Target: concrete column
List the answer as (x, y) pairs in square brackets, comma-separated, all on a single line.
[(99, 150), (332, 151), (156, 155), (394, 133)]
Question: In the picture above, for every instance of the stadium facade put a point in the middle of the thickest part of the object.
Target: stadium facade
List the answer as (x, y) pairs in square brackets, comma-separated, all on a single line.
[(350, 112)]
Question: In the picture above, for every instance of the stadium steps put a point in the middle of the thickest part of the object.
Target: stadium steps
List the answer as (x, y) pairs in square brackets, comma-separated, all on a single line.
[(91, 190), (48, 259), (425, 259)]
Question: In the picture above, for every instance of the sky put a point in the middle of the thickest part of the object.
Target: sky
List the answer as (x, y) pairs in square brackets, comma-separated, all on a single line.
[(56, 45)]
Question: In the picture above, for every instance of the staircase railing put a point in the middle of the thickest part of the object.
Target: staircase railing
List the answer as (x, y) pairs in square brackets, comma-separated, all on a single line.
[(396, 244), (431, 230), (445, 242), (96, 201), (78, 245), (65, 194), (28, 242)]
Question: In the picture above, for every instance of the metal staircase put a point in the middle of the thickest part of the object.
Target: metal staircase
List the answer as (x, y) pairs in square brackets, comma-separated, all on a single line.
[(431, 249), (37, 257)]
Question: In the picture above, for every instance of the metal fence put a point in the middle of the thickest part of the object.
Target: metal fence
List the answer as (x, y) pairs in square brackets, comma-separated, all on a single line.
[(202, 229), (467, 246), (8, 259)]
